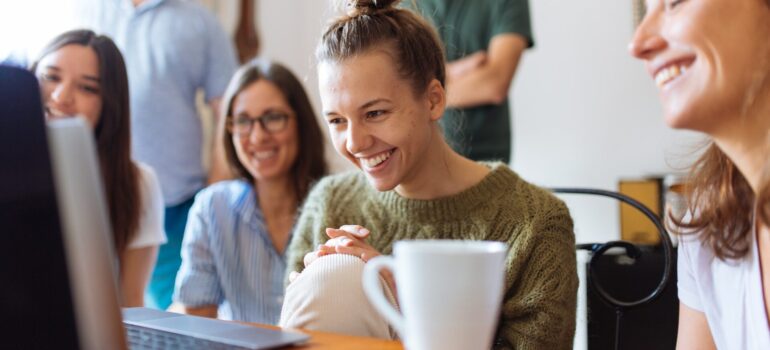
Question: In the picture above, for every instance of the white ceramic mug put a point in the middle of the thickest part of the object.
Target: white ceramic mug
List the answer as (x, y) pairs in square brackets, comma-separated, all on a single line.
[(449, 292)]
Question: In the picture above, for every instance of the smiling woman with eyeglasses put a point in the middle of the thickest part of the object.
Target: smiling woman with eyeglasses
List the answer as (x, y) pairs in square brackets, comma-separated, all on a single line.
[(233, 259)]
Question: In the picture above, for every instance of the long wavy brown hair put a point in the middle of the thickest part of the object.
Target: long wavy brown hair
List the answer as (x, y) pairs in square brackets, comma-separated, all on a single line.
[(722, 200), (112, 132)]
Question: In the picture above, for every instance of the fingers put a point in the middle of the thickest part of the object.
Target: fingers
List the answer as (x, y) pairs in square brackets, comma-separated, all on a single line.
[(325, 250), (356, 231), (348, 239), (344, 240), (329, 248), (320, 251), (363, 253), (334, 233)]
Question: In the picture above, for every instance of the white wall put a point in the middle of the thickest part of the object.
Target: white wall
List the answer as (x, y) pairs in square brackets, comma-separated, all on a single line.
[(289, 31), (586, 113), (27, 26)]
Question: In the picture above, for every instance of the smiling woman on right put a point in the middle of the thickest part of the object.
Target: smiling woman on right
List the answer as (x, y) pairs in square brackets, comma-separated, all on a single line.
[(711, 62)]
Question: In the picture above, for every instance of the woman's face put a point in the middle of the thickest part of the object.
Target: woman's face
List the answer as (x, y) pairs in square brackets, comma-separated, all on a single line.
[(266, 154), (70, 83), (706, 56), (375, 120)]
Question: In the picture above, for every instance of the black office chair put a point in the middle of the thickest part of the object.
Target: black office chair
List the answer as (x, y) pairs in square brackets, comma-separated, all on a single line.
[(598, 249)]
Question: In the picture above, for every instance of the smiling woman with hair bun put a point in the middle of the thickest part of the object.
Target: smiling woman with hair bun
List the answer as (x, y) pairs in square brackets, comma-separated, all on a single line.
[(381, 78)]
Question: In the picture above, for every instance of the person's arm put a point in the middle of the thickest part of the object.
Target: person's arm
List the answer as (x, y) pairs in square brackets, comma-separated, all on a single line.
[(139, 257), (135, 268), (197, 287), (204, 311), (489, 82), (462, 66), (694, 332), (302, 243), (540, 303), (310, 230), (219, 170)]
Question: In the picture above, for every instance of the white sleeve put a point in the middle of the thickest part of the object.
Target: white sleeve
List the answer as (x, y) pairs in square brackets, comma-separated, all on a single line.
[(687, 284), (150, 232)]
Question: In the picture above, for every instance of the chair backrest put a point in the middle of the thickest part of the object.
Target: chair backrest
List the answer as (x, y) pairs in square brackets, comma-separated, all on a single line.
[(603, 292)]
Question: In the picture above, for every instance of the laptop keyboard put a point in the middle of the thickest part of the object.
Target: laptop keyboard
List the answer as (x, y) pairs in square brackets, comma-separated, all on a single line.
[(141, 338)]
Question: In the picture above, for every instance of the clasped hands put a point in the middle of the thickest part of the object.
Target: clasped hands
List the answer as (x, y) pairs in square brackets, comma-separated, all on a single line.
[(348, 239)]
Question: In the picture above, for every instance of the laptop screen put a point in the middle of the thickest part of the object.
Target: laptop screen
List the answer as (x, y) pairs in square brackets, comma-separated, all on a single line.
[(35, 298)]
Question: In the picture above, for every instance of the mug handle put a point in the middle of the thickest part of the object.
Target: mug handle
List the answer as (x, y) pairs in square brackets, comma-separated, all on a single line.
[(373, 289)]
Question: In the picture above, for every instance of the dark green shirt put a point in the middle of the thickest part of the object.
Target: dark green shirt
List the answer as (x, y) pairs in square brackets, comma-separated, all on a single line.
[(467, 26)]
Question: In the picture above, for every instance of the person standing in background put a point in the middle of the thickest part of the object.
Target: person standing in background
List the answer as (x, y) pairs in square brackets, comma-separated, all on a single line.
[(484, 41), (173, 48)]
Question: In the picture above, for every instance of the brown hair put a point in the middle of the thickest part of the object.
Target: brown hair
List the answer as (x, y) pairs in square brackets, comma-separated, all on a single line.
[(412, 42), (722, 201), (112, 132), (310, 164)]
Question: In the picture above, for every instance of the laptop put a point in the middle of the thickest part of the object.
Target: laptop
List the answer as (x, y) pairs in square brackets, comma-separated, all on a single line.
[(57, 266)]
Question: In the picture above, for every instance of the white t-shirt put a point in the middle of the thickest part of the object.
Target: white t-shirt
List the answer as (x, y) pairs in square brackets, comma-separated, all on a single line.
[(728, 292), (150, 232)]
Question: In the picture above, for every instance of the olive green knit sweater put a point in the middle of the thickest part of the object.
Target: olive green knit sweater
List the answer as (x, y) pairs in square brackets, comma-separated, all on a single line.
[(541, 281)]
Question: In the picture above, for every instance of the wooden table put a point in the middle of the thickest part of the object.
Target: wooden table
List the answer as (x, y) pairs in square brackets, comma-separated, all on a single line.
[(322, 341)]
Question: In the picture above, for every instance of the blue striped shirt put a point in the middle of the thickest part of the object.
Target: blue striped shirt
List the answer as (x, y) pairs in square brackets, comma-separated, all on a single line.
[(228, 258)]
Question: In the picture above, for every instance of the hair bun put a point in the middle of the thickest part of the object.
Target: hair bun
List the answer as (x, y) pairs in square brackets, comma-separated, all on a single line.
[(369, 7)]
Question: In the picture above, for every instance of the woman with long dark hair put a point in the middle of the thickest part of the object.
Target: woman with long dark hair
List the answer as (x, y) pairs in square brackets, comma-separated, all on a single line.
[(83, 74)]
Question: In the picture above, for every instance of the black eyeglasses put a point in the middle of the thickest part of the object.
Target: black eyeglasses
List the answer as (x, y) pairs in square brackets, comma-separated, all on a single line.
[(270, 122)]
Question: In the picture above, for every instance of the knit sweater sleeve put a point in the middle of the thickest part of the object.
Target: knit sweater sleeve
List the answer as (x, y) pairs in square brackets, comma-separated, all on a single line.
[(310, 227), (539, 305)]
